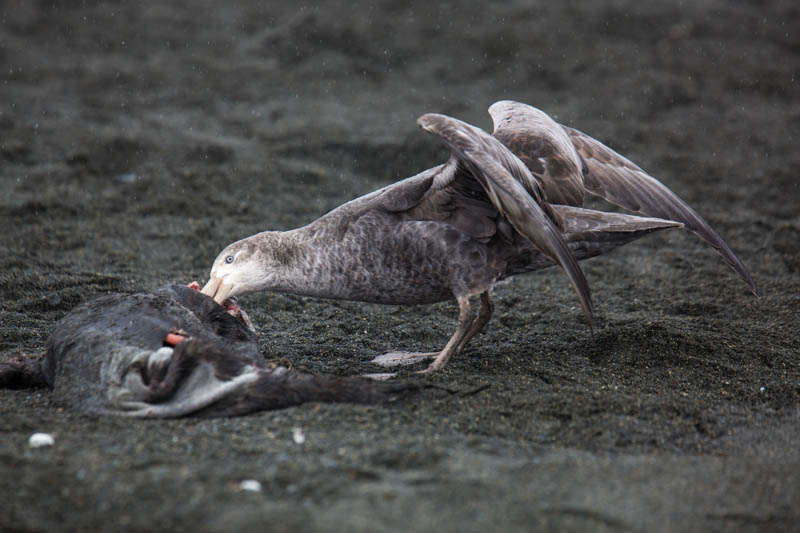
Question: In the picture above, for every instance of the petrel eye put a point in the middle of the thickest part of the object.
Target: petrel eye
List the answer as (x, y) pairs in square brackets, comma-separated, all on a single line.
[(229, 259)]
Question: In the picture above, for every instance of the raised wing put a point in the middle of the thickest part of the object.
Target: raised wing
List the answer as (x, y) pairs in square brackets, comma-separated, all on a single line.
[(512, 190), (622, 182), (540, 143), (462, 203)]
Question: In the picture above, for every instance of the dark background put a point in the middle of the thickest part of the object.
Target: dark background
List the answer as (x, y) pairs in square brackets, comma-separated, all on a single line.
[(139, 138)]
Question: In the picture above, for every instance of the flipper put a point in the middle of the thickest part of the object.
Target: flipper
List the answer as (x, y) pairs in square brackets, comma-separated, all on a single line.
[(201, 379)]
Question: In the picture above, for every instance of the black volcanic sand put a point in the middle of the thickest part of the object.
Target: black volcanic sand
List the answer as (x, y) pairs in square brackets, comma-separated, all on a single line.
[(136, 140)]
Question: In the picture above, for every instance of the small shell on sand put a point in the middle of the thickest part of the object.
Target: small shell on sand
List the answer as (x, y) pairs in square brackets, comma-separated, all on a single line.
[(37, 440), (251, 485)]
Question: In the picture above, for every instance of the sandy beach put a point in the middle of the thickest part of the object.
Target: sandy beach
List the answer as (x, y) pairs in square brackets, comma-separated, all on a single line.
[(138, 139)]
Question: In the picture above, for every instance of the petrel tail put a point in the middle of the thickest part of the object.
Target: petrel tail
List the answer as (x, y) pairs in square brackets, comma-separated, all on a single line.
[(590, 233)]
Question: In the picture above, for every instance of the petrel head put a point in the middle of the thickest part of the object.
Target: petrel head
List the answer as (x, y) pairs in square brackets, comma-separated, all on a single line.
[(237, 270)]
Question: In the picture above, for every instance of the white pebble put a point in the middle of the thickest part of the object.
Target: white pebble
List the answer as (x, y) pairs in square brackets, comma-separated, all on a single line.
[(250, 484), (298, 435), (37, 440)]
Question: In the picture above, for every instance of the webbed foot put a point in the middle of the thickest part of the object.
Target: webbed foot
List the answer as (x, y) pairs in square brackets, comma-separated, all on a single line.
[(402, 358), (380, 376)]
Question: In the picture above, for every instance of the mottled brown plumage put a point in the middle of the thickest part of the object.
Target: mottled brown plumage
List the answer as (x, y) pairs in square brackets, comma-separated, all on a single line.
[(503, 204)]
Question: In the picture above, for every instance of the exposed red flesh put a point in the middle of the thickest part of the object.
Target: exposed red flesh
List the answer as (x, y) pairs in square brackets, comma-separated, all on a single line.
[(173, 339), (230, 306)]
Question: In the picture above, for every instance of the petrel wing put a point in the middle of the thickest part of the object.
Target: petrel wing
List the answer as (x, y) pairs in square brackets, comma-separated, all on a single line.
[(620, 181), (512, 190), (539, 142)]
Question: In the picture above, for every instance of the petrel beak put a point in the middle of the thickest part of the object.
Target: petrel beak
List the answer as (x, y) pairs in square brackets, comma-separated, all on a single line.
[(217, 289)]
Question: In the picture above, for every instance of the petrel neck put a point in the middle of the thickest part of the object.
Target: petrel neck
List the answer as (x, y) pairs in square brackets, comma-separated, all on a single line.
[(299, 262)]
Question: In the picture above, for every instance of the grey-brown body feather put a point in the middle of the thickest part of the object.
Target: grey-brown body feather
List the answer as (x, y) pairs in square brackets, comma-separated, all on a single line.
[(451, 242), (494, 210)]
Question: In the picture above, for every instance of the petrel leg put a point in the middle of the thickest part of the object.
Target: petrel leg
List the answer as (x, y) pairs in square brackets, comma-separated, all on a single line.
[(487, 308), (466, 319), (464, 332)]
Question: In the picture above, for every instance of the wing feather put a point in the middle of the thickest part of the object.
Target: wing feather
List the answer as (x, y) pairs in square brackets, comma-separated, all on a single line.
[(620, 181), (543, 146), (512, 190)]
